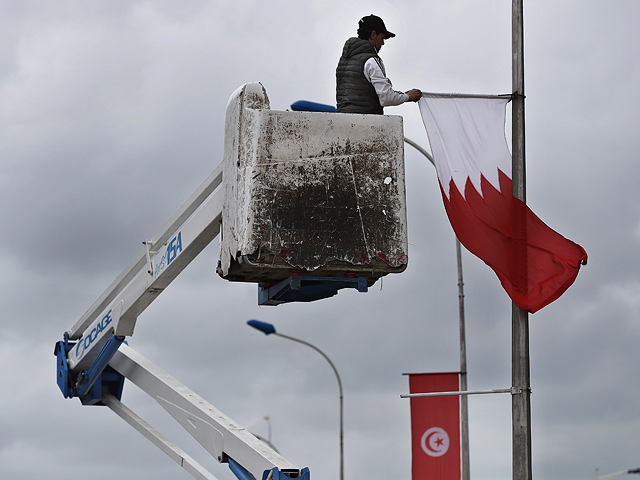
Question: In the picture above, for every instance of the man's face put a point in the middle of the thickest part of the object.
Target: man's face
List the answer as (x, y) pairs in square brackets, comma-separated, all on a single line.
[(377, 40)]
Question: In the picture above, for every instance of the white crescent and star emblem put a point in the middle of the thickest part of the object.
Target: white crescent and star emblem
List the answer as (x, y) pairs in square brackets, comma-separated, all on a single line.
[(435, 442)]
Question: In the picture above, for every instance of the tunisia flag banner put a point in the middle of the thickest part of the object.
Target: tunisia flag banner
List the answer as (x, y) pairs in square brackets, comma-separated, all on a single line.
[(534, 264), (435, 427)]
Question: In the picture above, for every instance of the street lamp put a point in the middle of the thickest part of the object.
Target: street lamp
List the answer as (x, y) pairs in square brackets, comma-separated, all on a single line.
[(616, 474), (269, 329)]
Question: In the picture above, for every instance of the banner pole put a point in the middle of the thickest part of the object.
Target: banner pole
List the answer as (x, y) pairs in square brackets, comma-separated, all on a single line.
[(464, 411), (520, 373)]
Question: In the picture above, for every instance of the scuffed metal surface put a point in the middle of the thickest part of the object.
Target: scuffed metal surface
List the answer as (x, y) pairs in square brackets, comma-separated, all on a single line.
[(316, 193)]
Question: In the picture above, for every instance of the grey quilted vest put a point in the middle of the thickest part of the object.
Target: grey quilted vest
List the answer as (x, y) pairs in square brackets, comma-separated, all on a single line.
[(354, 93)]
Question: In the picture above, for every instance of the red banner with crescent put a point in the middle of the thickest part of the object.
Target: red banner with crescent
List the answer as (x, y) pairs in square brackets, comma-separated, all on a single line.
[(435, 427)]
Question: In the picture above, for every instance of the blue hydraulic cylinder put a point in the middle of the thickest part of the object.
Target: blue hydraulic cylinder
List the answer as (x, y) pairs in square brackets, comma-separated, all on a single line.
[(239, 471)]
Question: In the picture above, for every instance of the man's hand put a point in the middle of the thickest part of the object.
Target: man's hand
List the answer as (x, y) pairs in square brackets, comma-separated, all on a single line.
[(414, 94)]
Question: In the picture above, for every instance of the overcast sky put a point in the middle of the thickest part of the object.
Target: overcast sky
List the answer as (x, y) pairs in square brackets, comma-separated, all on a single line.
[(112, 113)]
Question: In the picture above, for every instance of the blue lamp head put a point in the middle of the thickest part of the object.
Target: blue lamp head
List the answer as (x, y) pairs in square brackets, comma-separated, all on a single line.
[(264, 327)]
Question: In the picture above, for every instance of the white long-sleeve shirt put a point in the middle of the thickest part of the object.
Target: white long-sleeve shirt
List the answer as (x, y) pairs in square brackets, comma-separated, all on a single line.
[(375, 73)]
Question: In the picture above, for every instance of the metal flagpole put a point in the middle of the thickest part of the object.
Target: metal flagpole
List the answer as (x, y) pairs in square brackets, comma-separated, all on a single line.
[(520, 373)]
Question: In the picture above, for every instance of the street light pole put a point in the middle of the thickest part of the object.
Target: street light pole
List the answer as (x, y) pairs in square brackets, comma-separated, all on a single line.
[(269, 329), (464, 411)]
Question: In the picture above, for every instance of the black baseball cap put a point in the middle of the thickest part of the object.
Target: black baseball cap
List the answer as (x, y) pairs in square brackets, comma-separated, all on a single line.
[(373, 22)]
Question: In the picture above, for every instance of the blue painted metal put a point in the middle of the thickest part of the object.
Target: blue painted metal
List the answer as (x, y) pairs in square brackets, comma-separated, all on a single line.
[(92, 383), (299, 288), (109, 381), (239, 471), (278, 475), (306, 106), (264, 327), (94, 372), (242, 474), (62, 369)]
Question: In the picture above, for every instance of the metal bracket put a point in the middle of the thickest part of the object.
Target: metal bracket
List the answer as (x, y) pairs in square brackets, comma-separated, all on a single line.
[(302, 288), (277, 474), (88, 378), (89, 384), (512, 391), (148, 246), (60, 351)]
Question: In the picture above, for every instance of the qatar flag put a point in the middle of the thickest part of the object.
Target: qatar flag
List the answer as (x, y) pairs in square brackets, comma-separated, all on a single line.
[(534, 263), (435, 427)]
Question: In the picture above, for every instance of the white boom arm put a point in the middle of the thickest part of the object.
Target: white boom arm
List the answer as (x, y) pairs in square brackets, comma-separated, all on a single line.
[(149, 273), (113, 316), (216, 432), (173, 451), (167, 231)]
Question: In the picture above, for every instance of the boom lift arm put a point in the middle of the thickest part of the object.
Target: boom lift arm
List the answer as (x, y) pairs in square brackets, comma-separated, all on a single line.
[(217, 433), (114, 314), (93, 361)]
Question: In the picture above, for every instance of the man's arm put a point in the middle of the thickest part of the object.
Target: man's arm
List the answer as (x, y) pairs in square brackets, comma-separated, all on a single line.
[(374, 72)]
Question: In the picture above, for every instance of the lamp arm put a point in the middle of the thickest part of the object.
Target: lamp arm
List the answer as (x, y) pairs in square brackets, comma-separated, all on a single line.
[(320, 352)]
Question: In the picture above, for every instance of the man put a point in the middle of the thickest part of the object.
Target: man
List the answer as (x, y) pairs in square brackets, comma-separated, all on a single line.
[(362, 85)]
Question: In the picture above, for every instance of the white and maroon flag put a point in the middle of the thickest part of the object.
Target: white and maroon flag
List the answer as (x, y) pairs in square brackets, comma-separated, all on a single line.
[(534, 263)]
